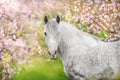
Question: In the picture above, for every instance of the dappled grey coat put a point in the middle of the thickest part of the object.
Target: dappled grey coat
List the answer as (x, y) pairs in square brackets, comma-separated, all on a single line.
[(84, 56)]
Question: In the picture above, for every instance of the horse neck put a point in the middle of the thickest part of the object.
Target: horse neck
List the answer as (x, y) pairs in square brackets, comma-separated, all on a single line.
[(68, 37)]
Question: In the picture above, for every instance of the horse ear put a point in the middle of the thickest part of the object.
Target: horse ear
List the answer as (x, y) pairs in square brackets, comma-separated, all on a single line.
[(58, 19), (45, 19)]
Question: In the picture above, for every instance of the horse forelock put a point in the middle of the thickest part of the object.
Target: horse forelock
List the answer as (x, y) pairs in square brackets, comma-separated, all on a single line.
[(51, 26)]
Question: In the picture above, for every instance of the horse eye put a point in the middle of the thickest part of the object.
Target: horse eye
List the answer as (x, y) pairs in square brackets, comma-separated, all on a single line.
[(45, 33)]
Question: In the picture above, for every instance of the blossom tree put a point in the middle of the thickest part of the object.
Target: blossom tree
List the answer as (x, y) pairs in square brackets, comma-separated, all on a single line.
[(95, 16)]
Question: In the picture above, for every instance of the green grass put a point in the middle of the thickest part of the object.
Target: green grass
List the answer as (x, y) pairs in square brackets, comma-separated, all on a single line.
[(42, 69)]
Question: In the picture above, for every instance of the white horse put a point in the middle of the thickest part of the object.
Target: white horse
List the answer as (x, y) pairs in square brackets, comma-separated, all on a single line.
[(84, 56)]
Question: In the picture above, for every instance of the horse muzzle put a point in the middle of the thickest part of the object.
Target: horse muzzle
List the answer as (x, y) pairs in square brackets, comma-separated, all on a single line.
[(52, 54)]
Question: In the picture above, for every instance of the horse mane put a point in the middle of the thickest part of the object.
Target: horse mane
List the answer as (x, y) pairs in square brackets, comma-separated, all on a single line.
[(80, 32), (90, 35)]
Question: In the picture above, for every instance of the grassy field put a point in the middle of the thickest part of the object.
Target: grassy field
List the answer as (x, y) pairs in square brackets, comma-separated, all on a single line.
[(42, 69)]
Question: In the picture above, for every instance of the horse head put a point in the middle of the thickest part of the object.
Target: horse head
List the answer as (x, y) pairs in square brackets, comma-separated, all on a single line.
[(51, 34)]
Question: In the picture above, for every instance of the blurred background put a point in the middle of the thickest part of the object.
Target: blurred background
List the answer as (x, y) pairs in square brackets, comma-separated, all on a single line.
[(23, 51)]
